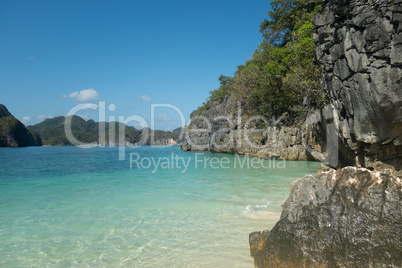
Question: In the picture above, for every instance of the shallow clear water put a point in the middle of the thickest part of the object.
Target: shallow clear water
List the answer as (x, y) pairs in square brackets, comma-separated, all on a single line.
[(77, 207)]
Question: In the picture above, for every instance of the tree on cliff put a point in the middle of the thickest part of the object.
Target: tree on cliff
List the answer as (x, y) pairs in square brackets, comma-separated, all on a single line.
[(284, 18), (281, 75)]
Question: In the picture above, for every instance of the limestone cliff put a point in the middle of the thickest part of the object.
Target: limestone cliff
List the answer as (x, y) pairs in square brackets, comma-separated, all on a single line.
[(359, 47), (13, 133), (223, 129), (350, 217)]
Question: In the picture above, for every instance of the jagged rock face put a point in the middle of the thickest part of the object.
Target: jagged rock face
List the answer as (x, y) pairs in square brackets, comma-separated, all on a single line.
[(359, 46), (229, 133), (351, 217), (346, 218)]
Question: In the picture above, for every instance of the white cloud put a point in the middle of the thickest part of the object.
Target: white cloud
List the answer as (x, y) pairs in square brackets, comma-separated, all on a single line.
[(26, 119), (146, 98), (63, 96), (31, 58), (163, 117), (84, 95), (73, 95), (43, 116)]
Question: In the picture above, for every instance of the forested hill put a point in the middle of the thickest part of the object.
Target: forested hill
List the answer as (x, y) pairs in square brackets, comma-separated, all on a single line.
[(13, 133), (52, 132), (280, 83)]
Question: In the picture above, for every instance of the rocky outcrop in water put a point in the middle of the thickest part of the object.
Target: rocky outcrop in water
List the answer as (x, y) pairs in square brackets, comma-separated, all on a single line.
[(13, 133), (359, 46), (346, 218), (223, 130)]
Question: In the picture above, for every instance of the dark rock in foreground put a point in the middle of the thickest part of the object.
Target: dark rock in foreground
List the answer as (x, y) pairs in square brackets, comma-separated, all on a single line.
[(257, 241), (346, 218)]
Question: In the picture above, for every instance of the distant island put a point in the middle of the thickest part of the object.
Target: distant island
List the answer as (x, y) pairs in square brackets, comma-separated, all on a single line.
[(14, 134), (51, 132)]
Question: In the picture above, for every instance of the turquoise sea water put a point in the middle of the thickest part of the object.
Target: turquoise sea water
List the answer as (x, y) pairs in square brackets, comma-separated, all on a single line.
[(83, 207)]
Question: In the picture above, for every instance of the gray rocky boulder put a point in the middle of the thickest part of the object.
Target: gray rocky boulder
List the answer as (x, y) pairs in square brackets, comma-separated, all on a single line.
[(350, 217)]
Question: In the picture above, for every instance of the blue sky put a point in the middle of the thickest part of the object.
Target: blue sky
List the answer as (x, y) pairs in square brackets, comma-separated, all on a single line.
[(57, 54)]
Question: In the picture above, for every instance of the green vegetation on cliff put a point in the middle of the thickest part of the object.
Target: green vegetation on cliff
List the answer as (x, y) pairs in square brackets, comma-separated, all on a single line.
[(13, 133), (281, 76)]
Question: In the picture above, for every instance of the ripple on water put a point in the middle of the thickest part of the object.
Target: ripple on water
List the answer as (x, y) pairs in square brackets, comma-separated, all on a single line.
[(66, 207)]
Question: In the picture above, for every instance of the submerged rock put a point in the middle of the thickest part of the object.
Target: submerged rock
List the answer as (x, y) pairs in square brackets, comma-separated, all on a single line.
[(351, 217)]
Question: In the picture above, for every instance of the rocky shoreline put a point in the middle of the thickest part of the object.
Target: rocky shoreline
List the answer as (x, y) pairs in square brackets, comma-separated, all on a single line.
[(280, 140), (352, 216), (349, 216)]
